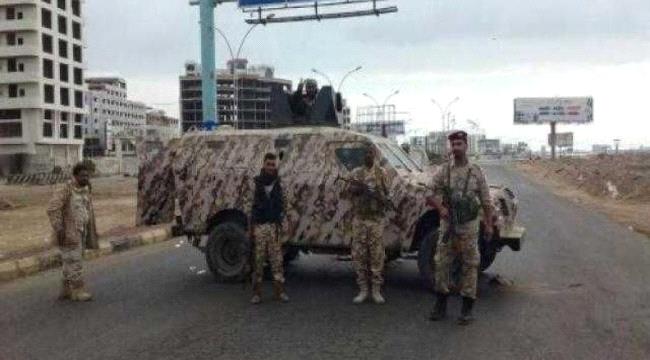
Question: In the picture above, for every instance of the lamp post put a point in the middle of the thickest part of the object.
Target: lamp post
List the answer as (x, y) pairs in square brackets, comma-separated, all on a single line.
[(358, 68), (444, 112), (233, 57), (317, 72)]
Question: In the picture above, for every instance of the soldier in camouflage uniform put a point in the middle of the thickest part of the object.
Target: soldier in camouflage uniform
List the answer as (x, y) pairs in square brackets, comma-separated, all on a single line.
[(71, 214), (267, 217), (369, 191), (459, 188)]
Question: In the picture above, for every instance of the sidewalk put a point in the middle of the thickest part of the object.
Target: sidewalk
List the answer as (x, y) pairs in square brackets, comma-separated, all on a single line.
[(51, 258)]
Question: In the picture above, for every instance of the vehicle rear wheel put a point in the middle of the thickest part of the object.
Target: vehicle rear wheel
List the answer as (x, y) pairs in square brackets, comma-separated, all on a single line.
[(426, 252), (227, 252), (290, 254), (488, 250)]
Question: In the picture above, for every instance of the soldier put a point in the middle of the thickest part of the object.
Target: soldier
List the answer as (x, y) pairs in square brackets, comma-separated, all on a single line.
[(369, 191), (302, 101), (463, 188), (73, 221), (267, 217)]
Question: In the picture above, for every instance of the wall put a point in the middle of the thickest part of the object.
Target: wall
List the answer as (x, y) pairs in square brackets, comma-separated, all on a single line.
[(111, 166)]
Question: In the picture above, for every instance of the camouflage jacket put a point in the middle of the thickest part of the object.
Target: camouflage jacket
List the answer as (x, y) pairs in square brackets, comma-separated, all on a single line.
[(365, 206), (70, 210), (455, 182)]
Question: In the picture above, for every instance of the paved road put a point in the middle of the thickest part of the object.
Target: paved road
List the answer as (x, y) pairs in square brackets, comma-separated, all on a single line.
[(581, 291)]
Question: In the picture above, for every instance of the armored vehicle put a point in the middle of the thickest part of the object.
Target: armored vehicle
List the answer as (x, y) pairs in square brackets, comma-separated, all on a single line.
[(209, 177)]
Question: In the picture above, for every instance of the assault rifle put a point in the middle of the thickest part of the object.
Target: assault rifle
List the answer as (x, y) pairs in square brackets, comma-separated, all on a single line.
[(367, 191)]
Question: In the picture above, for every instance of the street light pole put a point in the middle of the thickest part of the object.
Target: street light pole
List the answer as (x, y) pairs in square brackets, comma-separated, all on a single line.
[(358, 68), (315, 71), (444, 112), (233, 58)]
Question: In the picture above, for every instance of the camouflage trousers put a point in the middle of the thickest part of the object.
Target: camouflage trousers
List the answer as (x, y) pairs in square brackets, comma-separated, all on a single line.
[(268, 246), (466, 247), (368, 252), (71, 258)]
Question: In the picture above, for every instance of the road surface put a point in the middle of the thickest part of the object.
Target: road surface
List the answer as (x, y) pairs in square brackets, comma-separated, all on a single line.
[(580, 290)]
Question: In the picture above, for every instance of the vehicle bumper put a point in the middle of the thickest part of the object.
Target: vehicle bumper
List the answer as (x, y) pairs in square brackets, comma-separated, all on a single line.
[(513, 237)]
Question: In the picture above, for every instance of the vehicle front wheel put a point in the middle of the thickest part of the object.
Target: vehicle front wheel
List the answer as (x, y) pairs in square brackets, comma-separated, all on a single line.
[(227, 252)]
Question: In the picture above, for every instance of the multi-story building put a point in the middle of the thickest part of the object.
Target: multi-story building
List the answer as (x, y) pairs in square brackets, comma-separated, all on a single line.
[(111, 116), (41, 84), (161, 126), (246, 96)]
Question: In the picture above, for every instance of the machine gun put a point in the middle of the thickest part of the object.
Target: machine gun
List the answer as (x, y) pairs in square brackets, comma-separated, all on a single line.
[(367, 191)]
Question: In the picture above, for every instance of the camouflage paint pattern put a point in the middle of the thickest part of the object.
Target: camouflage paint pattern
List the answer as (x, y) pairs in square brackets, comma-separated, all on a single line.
[(268, 247), (211, 172), (464, 246), (368, 252)]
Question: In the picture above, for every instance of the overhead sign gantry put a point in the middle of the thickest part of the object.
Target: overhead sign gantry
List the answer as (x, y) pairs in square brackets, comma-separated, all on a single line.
[(260, 11)]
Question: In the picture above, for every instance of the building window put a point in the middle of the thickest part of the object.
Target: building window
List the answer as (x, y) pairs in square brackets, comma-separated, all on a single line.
[(79, 99), (76, 7), (13, 90), (10, 114), (48, 115), (21, 67), (48, 92), (76, 30), (11, 129), (47, 44), (76, 53), (10, 13), (64, 95), (63, 25), (48, 69), (11, 39), (77, 132), (78, 76), (61, 4), (46, 18), (63, 131), (63, 49), (63, 73), (12, 65)]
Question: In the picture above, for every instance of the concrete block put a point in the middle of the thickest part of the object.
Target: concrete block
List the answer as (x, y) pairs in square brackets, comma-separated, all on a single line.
[(49, 259), (8, 270), (29, 265), (161, 235), (148, 237), (105, 248)]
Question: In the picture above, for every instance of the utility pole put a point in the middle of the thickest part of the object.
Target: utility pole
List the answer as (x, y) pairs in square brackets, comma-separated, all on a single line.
[(553, 139), (208, 63)]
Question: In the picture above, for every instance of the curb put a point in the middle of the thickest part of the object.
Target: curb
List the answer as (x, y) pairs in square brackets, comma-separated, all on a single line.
[(51, 259)]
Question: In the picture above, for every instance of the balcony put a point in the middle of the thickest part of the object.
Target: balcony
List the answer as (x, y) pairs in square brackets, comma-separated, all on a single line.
[(20, 102), (23, 50), (19, 77), (25, 24)]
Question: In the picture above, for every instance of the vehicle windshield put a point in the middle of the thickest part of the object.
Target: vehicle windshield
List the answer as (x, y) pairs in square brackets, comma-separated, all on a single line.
[(393, 159)]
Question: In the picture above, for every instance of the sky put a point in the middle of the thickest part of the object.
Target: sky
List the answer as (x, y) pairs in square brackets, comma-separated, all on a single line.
[(485, 52)]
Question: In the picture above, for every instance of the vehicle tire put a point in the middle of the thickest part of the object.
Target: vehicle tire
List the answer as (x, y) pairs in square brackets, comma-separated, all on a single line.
[(425, 257), (426, 265), (290, 254), (227, 252), (488, 250)]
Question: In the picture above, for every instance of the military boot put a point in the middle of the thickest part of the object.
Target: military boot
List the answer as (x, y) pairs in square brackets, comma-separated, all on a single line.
[(66, 290), (440, 308), (363, 294), (376, 295), (257, 293), (79, 293), (466, 311), (279, 293)]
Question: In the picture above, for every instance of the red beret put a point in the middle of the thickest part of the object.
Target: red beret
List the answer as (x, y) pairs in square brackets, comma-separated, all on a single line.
[(457, 135)]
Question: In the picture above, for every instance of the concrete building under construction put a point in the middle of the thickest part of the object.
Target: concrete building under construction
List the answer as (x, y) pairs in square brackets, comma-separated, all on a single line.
[(247, 97)]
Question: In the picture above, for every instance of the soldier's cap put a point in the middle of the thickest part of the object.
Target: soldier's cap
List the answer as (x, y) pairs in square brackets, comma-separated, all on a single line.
[(458, 135), (311, 82)]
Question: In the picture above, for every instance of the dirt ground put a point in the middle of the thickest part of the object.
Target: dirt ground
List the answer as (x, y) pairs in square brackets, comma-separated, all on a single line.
[(617, 185), (25, 226)]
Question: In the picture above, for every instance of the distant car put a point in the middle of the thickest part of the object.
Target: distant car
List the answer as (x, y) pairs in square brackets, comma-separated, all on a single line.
[(210, 175)]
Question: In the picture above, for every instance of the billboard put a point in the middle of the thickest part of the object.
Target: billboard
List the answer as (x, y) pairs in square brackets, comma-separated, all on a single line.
[(562, 140), (380, 128), (571, 110)]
